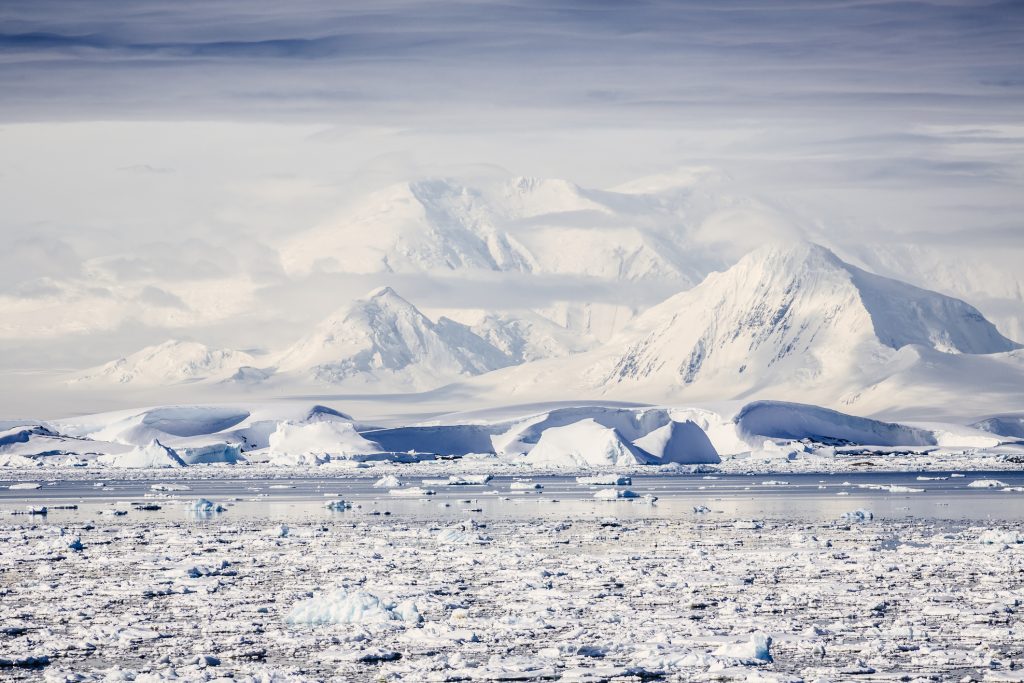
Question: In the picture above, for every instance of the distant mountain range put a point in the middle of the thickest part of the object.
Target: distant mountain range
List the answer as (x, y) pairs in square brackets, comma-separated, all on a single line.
[(792, 322)]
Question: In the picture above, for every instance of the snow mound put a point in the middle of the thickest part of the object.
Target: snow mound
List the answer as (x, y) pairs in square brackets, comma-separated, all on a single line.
[(321, 440), (780, 420), (586, 444), (631, 423), (681, 442), (355, 607), (153, 455), (162, 423)]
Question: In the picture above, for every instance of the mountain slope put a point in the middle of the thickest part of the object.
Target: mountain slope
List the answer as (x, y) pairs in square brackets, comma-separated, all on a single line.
[(525, 336), (529, 225), (792, 323), (384, 340), (168, 363), (797, 314)]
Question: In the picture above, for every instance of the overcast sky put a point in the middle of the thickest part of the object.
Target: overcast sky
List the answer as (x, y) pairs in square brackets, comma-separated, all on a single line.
[(178, 142)]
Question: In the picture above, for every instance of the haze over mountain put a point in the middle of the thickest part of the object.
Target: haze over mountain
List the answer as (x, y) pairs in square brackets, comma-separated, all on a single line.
[(790, 322)]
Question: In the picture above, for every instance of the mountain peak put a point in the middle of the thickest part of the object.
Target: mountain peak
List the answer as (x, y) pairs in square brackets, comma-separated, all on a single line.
[(794, 315), (384, 293), (385, 339), (168, 362), (794, 255)]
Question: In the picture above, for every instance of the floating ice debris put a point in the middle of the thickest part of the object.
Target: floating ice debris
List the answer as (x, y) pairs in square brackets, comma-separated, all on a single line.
[(757, 648), (1000, 537), (343, 607), (388, 481), (986, 484), (280, 486), (461, 535), (605, 480), (524, 486), (146, 507), (774, 482), (280, 531), (24, 486), (615, 494), (169, 487), (204, 505), (857, 516), (412, 492), (31, 510), (337, 505), (469, 479), (891, 488), (460, 480), (701, 509), (748, 524)]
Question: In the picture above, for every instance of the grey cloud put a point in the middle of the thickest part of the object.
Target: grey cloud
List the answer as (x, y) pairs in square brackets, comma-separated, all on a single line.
[(217, 59)]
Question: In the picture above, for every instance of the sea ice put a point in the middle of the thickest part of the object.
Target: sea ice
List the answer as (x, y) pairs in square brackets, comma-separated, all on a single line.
[(615, 494), (350, 607), (203, 505)]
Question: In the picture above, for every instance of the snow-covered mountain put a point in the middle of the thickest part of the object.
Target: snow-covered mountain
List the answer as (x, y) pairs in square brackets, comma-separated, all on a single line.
[(790, 322), (168, 363), (796, 316), (525, 336), (383, 340), (523, 225), (641, 234)]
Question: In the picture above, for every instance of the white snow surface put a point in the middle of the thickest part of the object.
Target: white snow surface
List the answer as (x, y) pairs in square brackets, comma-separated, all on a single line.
[(153, 455), (336, 440)]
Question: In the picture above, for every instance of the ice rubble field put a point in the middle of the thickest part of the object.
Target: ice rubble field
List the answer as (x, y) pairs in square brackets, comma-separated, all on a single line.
[(362, 597)]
